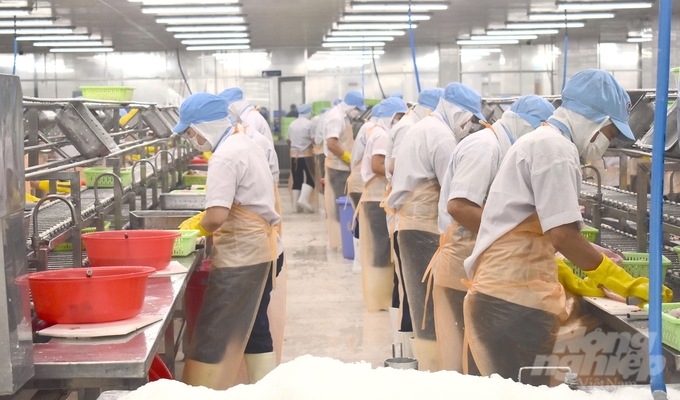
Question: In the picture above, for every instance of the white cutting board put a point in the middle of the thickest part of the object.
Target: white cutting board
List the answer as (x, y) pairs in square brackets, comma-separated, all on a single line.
[(117, 328), (612, 306), (173, 268)]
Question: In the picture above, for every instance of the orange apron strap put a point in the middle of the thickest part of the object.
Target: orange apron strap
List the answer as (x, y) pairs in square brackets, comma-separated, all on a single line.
[(429, 272)]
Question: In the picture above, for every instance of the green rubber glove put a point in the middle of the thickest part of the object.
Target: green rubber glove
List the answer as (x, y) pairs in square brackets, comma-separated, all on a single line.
[(575, 285), (346, 157), (616, 279), (194, 223)]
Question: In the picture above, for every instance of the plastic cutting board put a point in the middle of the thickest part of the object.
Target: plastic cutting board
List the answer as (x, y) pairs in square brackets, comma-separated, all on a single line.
[(117, 328)]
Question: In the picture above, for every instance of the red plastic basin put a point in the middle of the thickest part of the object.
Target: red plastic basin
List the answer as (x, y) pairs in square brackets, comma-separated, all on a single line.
[(70, 296), (115, 248)]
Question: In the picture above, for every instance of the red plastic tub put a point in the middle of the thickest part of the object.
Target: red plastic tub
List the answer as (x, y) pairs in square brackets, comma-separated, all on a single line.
[(87, 296), (115, 248)]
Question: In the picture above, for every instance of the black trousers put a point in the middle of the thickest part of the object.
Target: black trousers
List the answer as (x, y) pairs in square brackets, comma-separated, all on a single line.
[(260, 340), (301, 173), (405, 325)]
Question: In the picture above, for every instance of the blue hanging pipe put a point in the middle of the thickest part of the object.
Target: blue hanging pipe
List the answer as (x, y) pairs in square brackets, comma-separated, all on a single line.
[(363, 50), (656, 364), (413, 47), (566, 51)]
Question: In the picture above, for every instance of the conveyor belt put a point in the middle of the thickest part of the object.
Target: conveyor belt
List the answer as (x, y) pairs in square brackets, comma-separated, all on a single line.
[(627, 201)]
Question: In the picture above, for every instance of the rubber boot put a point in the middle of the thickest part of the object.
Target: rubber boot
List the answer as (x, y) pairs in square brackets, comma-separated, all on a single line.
[(296, 198), (356, 265), (259, 365), (406, 339), (394, 319), (303, 202)]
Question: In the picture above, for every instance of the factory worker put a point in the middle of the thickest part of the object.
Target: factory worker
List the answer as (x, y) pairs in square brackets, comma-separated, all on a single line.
[(319, 156), (515, 304), (377, 270), (423, 157), (301, 137), (240, 214), (245, 113), (339, 139), (471, 170)]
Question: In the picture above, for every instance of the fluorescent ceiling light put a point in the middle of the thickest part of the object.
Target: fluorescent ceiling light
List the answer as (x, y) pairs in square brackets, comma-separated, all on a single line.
[(216, 35), (509, 37), (207, 28), (638, 39), (354, 52), (479, 51), (240, 54), (37, 38), (224, 19), (189, 10), (544, 25), (215, 41), (395, 7), (358, 38), (219, 47), (180, 2), (367, 33), (26, 22), (384, 17), (384, 26), (85, 43), (483, 42), (503, 32), (568, 16), (353, 44), (601, 6), (12, 11), (82, 50), (37, 31)]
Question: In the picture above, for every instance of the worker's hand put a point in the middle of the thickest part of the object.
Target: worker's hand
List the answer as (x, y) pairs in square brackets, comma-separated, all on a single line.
[(616, 279), (207, 155), (31, 199), (62, 187), (194, 223), (346, 157), (575, 285)]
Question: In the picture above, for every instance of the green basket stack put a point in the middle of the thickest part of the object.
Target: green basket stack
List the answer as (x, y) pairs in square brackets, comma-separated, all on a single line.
[(636, 264), (116, 93), (670, 326), (590, 233), (317, 106), (284, 126), (68, 246), (185, 244), (91, 175), (372, 102), (190, 180)]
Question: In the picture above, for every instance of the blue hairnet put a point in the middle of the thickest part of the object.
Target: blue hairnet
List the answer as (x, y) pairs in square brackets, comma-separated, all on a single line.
[(200, 107)]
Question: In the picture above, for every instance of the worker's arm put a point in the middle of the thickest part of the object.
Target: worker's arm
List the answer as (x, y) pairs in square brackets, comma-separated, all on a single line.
[(214, 217), (567, 239), (334, 147), (378, 164), (465, 213), (394, 160)]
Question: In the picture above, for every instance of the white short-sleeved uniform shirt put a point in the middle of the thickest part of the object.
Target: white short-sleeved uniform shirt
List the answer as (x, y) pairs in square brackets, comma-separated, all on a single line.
[(252, 117), (424, 154), (398, 132), (318, 129), (360, 144), (539, 174), (376, 145), (300, 134), (471, 170), (238, 173), (334, 124), (269, 151)]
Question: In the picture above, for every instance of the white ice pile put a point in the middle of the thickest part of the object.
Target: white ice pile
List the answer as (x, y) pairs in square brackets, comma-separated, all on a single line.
[(313, 378)]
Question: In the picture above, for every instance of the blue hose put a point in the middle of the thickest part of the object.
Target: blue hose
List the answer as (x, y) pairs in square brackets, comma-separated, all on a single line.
[(413, 48), (566, 50), (656, 365), (363, 86)]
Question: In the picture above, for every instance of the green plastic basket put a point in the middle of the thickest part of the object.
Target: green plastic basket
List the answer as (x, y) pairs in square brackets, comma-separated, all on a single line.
[(185, 244), (118, 93), (285, 123), (589, 233), (68, 246), (636, 264), (91, 175), (317, 106), (190, 180), (670, 326), (372, 102)]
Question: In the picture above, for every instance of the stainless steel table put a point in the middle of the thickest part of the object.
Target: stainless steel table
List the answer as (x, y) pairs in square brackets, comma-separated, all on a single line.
[(123, 362)]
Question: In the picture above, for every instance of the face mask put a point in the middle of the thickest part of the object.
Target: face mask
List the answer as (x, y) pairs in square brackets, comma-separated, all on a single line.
[(462, 132), (596, 149), (354, 113), (200, 147)]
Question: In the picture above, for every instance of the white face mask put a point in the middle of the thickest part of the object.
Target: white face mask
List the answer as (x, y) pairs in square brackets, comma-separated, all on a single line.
[(595, 150), (462, 132), (206, 146), (354, 113)]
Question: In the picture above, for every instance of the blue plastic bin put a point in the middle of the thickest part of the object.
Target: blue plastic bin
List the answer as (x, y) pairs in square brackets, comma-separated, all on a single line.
[(346, 218)]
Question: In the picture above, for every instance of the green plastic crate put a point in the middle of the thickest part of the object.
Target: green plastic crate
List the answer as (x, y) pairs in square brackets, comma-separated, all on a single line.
[(91, 175), (636, 264), (284, 127), (589, 233), (68, 246), (185, 244), (117, 93), (670, 326), (190, 180), (317, 106), (372, 102)]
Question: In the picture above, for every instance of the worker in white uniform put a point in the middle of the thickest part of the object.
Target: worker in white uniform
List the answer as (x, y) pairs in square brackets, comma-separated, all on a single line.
[(377, 269), (301, 138), (400, 314), (319, 156), (244, 113), (471, 170), (422, 160), (241, 216), (339, 139), (515, 303)]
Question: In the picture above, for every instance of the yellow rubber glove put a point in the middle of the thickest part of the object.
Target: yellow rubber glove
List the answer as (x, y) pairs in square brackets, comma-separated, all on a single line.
[(575, 285), (616, 279), (194, 223), (62, 187), (346, 157), (207, 155), (31, 199), (127, 117)]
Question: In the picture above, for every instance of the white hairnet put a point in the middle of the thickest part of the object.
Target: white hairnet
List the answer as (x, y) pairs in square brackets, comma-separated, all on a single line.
[(581, 128), (516, 125), (212, 131), (236, 109), (455, 117)]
